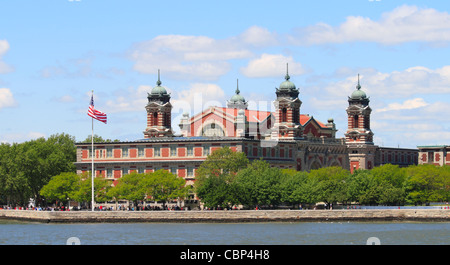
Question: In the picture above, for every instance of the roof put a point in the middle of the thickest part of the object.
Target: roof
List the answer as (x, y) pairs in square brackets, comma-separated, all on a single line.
[(304, 119), (251, 115)]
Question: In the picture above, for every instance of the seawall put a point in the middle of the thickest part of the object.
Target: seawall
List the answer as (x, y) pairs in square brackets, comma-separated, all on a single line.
[(438, 215)]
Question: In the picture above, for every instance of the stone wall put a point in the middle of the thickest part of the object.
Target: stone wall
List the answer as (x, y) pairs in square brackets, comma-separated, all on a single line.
[(230, 216)]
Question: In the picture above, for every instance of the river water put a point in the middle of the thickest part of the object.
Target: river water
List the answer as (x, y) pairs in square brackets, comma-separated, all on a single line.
[(302, 233)]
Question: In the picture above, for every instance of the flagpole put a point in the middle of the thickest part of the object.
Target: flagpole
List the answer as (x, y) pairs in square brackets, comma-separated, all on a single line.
[(92, 167)]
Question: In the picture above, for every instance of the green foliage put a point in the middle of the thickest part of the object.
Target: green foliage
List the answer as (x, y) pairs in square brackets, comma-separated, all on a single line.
[(427, 183), (259, 184), (98, 139), (331, 184), (215, 176), (26, 167), (159, 186), (129, 188), (61, 187), (164, 186)]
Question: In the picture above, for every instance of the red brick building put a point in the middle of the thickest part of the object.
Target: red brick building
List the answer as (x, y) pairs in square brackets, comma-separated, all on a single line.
[(438, 155), (283, 137)]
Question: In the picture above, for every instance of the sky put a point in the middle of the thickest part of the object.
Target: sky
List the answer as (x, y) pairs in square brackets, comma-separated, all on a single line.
[(54, 53)]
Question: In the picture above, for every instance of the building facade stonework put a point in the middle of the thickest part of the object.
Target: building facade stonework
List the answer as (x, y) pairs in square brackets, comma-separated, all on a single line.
[(285, 138), (438, 155)]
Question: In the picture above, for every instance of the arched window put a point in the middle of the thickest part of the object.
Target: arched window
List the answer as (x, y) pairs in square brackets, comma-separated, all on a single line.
[(212, 130), (284, 115), (155, 118), (296, 116), (355, 121)]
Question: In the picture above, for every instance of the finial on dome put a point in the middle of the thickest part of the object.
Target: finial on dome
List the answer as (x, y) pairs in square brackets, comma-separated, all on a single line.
[(158, 83), (287, 77), (359, 85), (237, 87)]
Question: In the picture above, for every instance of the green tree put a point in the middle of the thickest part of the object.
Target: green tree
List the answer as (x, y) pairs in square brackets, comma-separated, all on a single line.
[(296, 188), (389, 173), (259, 184), (26, 167), (98, 139), (129, 187), (362, 187), (61, 187), (427, 183), (164, 186), (331, 186), (215, 176), (101, 189)]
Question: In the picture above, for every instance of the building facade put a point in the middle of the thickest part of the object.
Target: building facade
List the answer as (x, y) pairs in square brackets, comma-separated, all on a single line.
[(285, 138), (438, 155)]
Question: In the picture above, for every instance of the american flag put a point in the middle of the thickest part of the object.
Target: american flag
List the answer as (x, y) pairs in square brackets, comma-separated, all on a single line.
[(98, 115)]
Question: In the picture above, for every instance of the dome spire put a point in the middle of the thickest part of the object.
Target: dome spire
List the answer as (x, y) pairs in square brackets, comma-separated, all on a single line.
[(359, 85), (359, 94), (237, 101), (158, 83), (287, 77)]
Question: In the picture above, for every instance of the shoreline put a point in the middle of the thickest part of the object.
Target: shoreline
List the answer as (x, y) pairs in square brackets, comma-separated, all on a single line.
[(235, 216)]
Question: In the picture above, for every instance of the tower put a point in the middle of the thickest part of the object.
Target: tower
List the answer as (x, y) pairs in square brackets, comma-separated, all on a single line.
[(237, 101), (287, 110), (358, 114), (359, 136), (158, 112)]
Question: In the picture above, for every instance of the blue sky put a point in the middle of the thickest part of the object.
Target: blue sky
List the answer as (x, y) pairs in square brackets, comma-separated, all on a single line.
[(53, 53)]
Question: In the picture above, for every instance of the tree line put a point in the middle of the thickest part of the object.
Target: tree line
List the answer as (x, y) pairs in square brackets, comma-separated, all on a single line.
[(25, 168), (228, 178), (44, 170), (160, 185)]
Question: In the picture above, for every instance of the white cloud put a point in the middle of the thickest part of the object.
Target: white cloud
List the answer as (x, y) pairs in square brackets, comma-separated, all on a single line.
[(4, 47), (406, 105), (6, 98), (129, 100), (258, 37), (188, 57), (192, 100), (198, 97), (403, 24), (272, 65), (406, 83)]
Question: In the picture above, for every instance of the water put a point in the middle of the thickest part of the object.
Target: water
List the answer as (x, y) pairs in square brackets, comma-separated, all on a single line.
[(336, 233)]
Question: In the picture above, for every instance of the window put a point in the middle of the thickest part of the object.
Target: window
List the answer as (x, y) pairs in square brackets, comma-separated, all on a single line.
[(109, 152), (141, 151), (157, 151), (190, 151), (109, 173), (140, 170), (155, 118), (212, 130), (430, 157), (284, 115), (124, 152), (173, 151), (355, 121), (205, 150), (296, 115), (173, 170), (124, 171), (190, 171)]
